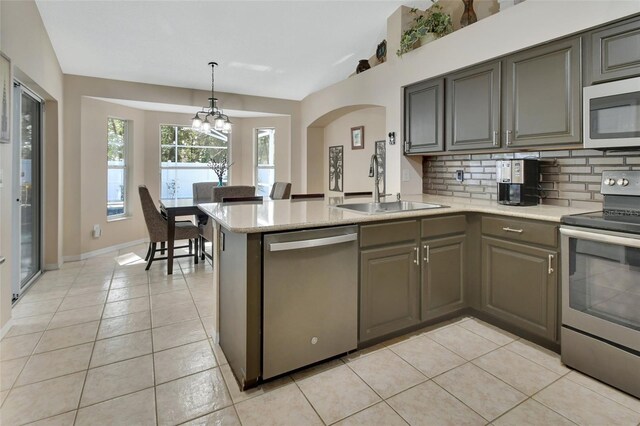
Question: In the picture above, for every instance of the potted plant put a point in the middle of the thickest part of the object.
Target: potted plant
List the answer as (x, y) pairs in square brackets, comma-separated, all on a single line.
[(426, 27), (220, 164)]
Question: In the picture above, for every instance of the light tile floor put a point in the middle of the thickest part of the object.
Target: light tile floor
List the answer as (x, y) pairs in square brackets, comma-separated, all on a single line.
[(102, 342)]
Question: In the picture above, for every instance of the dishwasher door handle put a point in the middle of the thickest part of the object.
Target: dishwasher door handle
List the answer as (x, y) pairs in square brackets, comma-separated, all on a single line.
[(317, 242)]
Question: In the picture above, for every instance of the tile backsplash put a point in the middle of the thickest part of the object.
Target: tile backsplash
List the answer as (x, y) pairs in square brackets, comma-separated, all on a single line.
[(568, 178)]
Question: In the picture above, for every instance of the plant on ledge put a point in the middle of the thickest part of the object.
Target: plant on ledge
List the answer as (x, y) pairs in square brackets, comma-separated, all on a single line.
[(220, 165), (435, 23)]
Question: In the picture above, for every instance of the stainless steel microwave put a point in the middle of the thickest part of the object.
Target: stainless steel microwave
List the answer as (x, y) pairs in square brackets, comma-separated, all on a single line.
[(611, 115)]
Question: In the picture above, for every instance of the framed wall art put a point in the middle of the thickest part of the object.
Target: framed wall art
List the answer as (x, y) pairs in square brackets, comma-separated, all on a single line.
[(5, 102), (336, 171), (357, 137)]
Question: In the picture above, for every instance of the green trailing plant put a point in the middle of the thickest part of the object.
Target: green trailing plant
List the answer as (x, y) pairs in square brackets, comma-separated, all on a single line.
[(433, 20)]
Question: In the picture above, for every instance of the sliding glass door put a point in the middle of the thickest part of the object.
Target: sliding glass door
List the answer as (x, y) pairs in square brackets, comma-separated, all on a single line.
[(27, 166)]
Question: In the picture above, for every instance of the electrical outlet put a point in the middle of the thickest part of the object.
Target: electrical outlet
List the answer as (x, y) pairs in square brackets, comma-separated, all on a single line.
[(406, 176), (460, 175), (97, 231)]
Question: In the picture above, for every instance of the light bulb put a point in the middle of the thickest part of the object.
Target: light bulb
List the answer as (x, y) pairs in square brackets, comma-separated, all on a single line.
[(206, 126), (196, 122), (227, 127), (218, 123)]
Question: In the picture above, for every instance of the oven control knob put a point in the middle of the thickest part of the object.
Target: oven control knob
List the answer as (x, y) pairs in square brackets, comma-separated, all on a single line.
[(623, 182), (609, 181)]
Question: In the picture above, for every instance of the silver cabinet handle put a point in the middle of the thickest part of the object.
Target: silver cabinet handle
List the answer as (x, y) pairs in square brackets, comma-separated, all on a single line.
[(318, 242), (407, 146), (2, 259), (426, 253), (507, 135), (496, 134), (517, 231), (417, 250), (550, 270)]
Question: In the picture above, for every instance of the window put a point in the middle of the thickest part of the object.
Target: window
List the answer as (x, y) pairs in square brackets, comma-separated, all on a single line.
[(265, 160), (117, 180), (185, 154)]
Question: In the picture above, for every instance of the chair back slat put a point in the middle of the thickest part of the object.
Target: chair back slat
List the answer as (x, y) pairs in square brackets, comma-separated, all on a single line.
[(280, 191)]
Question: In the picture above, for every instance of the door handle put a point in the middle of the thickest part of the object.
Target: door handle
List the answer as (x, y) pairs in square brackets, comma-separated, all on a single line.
[(318, 242), (417, 250), (517, 231), (426, 253), (407, 146), (495, 137), (550, 270)]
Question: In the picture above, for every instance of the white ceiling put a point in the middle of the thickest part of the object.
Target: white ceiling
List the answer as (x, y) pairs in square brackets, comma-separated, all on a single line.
[(281, 49), (186, 109)]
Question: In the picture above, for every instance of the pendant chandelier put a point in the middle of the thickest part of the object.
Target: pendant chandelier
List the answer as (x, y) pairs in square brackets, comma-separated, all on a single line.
[(213, 116)]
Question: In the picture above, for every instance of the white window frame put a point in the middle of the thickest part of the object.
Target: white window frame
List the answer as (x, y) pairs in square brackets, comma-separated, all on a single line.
[(125, 167), (259, 167), (176, 127)]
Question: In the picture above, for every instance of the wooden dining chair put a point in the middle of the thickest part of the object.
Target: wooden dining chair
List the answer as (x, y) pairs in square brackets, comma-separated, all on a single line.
[(318, 196), (158, 229), (280, 191), (218, 193)]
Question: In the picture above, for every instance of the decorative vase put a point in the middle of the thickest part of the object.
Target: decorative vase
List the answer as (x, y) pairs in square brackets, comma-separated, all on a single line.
[(363, 65), (468, 15), (427, 38), (220, 181)]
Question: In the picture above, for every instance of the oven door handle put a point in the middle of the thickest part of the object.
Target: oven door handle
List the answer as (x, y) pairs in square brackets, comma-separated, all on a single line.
[(603, 238)]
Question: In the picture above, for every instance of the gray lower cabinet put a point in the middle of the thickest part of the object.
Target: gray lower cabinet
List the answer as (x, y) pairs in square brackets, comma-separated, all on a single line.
[(443, 265), (520, 285), (424, 117), (389, 290), (614, 52), (473, 108), (542, 96)]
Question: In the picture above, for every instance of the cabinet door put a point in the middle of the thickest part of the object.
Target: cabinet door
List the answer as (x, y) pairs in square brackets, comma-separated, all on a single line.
[(442, 276), (542, 96), (389, 290), (424, 117), (615, 52), (473, 108), (519, 285)]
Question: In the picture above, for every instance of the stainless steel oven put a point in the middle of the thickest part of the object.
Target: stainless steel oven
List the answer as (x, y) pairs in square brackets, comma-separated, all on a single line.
[(611, 115), (600, 333)]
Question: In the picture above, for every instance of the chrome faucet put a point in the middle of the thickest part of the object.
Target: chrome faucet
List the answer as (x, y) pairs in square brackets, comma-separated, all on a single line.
[(374, 173)]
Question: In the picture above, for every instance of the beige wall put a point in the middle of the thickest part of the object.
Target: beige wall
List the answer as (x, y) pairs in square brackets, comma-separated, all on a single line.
[(93, 171), (243, 148), (355, 161), (76, 147), (24, 40), (519, 27)]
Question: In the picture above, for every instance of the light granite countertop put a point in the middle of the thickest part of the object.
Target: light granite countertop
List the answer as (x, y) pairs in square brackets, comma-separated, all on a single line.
[(280, 215)]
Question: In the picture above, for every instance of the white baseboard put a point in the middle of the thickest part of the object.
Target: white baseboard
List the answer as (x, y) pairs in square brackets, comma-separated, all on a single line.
[(52, 266), (102, 251), (5, 328)]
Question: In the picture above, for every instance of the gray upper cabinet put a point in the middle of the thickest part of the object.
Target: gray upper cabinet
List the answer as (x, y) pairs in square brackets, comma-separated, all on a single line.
[(424, 117), (614, 52), (473, 108), (542, 95)]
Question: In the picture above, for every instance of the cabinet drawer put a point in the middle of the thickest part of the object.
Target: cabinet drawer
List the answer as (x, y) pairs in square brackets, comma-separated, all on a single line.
[(520, 230), (437, 226), (387, 233)]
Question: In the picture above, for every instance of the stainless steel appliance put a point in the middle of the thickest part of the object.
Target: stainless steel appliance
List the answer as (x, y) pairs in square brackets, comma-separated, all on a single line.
[(601, 285), (518, 182), (310, 297), (611, 115)]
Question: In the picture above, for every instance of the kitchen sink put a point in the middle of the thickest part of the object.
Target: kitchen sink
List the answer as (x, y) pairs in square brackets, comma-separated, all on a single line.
[(388, 207)]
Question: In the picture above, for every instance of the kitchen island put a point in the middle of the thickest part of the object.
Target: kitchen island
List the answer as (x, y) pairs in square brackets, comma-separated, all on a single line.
[(411, 268)]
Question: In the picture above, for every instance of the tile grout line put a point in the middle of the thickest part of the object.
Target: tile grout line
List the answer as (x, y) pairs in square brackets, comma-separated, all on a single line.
[(86, 376)]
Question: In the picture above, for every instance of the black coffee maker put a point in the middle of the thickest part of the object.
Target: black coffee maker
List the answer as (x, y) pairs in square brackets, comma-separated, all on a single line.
[(518, 182)]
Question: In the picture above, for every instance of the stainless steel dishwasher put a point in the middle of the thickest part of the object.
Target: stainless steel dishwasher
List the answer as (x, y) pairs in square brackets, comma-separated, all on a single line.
[(310, 297)]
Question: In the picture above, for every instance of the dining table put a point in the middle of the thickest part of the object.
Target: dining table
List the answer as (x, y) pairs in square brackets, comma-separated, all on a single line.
[(172, 208)]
